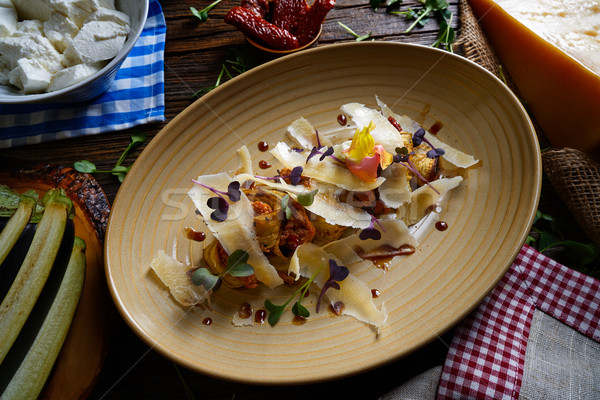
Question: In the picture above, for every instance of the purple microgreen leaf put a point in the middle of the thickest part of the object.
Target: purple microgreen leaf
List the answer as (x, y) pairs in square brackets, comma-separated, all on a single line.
[(220, 206), (435, 152), (313, 153), (295, 176), (318, 139), (337, 273), (297, 149), (233, 191), (327, 153), (417, 138), (369, 233)]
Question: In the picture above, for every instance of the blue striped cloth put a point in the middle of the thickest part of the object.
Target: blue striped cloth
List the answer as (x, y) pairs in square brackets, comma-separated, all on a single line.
[(137, 96)]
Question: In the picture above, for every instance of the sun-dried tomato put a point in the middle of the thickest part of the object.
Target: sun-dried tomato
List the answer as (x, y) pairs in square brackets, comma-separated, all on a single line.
[(253, 25), (288, 14), (259, 7), (311, 23)]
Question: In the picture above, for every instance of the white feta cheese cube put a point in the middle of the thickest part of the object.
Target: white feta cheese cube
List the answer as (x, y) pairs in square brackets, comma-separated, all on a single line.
[(60, 30), (76, 10), (8, 18), (34, 47), (96, 41), (30, 76), (105, 14), (33, 9), (72, 75), (29, 27), (110, 4)]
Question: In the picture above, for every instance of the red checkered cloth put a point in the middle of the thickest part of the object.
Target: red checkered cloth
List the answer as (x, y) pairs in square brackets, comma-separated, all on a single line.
[(487, 354)]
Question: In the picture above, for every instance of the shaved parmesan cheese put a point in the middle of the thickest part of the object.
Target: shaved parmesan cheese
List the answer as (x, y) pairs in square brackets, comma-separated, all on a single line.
[(237, 231), (356, 296), (327, 205), (328, 170), (384, 133), (395, 233), (174, 275), (306, 135), (395, 191), (424, 197), (245, 161), (452, 155)]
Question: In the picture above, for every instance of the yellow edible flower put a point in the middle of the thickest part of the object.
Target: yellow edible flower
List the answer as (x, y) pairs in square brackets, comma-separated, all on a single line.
[(363, 157)]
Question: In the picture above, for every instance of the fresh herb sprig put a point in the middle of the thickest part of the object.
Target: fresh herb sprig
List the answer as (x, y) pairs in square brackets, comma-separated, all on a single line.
[(357, 37), (238, 62), (202, 15), (118, 170), (237, 265), (420, 17)]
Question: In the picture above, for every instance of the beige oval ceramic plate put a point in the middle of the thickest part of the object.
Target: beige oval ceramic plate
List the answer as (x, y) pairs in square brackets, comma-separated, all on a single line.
[(489, 216)]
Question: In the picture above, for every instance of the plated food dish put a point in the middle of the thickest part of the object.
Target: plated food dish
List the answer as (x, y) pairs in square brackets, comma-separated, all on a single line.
[(424, 294)]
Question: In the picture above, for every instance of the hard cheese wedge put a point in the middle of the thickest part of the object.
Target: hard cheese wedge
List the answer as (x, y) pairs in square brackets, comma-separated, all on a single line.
[(562, 92)]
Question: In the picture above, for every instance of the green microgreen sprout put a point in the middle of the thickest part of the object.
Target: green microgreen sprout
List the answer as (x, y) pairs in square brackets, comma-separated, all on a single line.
[(203, 14), (275, 311), (237, 265), (357, 37), (305, 199), (118, 170), (285, 206)]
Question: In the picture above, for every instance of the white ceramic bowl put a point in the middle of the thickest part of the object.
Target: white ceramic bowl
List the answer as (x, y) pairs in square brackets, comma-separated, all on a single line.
[(99, 82)]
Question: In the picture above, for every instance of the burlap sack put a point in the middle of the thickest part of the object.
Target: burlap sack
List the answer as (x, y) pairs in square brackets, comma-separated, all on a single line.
[(574, 175), (576, 178)]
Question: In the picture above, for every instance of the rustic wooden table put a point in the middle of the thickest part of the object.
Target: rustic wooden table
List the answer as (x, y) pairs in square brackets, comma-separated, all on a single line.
[(194, 55)]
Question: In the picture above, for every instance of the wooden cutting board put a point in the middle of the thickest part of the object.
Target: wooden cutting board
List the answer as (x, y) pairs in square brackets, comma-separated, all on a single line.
[(86, 345)]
